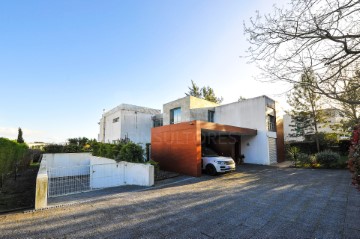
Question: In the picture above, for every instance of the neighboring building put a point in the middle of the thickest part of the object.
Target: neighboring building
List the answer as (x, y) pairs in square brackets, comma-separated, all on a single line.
[(37, 145), (248, 128), (333, 124), (127, 121)]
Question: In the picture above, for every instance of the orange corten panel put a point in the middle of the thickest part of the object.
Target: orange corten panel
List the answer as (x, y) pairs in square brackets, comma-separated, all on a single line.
[(177, 147), (280, 140)]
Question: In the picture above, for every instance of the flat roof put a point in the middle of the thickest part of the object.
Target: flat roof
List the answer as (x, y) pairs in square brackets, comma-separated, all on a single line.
[(224, 129)]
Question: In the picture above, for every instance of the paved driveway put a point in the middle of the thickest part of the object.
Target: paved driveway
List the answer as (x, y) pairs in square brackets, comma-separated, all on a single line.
[(255, 202)]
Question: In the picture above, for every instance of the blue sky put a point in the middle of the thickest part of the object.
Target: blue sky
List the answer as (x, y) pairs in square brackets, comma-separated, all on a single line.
[(63, 62)]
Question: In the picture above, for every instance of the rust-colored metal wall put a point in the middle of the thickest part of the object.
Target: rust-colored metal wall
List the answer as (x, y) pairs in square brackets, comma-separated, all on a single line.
[(280, 140), (177, 148)]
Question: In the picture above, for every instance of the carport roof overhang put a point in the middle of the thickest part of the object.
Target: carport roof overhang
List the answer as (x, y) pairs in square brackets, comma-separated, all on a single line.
[(221, 129)]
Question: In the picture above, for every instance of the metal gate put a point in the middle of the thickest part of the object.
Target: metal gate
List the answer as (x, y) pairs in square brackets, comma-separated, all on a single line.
[(69, 180), (63, 181), (272, 150)]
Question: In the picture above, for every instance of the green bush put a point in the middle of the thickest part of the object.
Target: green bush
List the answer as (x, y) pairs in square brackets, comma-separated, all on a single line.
[(328, 159), (53, 148), (132, 152), (304, 159), (12, 154)]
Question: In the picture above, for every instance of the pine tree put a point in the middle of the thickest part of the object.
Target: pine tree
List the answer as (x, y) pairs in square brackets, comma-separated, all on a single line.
[(209, 95), (20, 136), (194, 90), (206, 93), (306, 107)]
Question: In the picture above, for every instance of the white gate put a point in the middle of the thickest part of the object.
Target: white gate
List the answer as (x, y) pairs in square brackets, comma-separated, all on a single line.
[(69, 180), (107, 175)]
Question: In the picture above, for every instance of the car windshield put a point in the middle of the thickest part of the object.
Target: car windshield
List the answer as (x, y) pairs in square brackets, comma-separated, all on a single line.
[(209, 152)]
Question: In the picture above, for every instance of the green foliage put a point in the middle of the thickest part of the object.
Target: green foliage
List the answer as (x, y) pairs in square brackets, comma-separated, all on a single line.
[(351, 92), (74, 145), (206, 93), (209, 95), (35, 155), (132, 152), (293, 153), (328, 159), (344, 146), (305, 101), (123, 150), (20, 139), (53, 148), (12, 154), (305, 159), (154, 163), (194, 90)]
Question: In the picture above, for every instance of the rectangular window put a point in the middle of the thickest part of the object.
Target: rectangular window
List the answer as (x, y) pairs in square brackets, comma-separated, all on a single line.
[(175, 116), (157, 122), (271, 123), (211, 114), (116, 120)]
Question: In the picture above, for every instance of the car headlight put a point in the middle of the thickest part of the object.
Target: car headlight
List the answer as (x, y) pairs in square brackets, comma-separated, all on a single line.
[(221, 162)]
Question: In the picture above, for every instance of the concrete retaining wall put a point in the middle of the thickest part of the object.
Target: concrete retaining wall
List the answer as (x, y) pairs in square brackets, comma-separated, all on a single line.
[(103, 172), (41, 186)]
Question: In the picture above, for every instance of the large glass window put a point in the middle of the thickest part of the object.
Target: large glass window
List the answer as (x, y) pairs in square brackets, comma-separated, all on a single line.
[(175, 116), (211, 114)]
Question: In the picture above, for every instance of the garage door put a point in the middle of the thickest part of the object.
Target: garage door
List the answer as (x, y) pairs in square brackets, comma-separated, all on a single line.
[(272, 150)]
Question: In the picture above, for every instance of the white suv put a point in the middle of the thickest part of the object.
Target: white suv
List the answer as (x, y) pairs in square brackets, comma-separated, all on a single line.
[(213, 163)]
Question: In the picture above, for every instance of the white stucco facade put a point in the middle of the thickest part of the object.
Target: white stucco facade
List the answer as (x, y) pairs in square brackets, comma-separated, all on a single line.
[(260, 113), (251, 113), (127, 121)]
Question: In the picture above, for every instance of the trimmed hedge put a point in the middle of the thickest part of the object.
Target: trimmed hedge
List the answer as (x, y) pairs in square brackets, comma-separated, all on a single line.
[(121, 151), (12, 153), (328, 159)]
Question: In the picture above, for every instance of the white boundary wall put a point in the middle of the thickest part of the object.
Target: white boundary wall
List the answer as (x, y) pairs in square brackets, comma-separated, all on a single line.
[(103, 172)]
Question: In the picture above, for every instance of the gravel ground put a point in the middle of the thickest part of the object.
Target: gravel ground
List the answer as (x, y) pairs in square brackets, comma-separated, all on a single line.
[(254, 202)]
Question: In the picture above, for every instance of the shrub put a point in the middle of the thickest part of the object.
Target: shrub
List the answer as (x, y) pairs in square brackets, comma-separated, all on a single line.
[(344, 146), (53, 148), (293, 153), (354, 156), (304, 159), (12, 155), (132, 152), (327, 158)]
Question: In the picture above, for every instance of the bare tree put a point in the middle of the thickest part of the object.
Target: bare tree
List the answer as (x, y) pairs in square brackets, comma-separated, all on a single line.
[(323, 35), (350, 112)]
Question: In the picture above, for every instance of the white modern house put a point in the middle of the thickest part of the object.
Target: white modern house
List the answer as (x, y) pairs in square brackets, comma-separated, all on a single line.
[(249, 128), (127, 121)]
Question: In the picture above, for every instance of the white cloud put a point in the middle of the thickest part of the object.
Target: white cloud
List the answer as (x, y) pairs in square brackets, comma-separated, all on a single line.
[(29, 135)]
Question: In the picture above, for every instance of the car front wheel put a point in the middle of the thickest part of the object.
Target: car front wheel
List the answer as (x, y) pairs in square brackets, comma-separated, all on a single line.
[(211, 170)]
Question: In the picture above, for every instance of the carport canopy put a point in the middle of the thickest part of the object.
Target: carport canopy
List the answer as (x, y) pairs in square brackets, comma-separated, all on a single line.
[(177, 147)]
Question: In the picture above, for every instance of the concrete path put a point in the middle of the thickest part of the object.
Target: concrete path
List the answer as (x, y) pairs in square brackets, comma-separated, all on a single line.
[(255, 202)]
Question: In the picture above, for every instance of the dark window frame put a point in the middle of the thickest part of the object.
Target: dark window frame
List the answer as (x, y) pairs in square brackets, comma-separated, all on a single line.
[(175, 115)]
